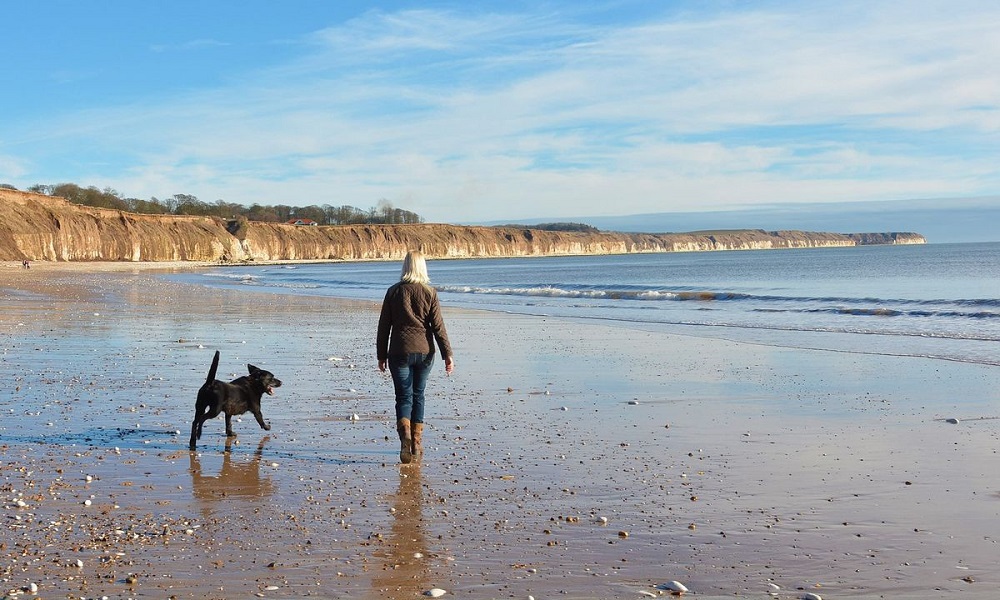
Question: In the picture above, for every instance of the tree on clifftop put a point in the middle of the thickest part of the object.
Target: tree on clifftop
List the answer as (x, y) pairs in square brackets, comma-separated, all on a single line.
[(186, 204)]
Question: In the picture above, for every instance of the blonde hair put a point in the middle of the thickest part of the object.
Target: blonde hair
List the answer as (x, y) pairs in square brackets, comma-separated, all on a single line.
[(415, 268)]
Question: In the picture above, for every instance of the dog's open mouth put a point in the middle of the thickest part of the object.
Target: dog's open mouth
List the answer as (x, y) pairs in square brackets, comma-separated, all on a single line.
[(270, 391)]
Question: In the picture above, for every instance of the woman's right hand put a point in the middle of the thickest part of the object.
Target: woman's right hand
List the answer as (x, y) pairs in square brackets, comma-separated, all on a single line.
[(449, 365)]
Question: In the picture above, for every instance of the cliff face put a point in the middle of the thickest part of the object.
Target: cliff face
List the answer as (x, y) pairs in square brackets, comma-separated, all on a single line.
[(39, 227)]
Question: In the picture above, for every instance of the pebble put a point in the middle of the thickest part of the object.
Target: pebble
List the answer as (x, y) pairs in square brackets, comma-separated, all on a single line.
[(633, 402), (953, 421), (673, 586), (435, 592), (811, 596)]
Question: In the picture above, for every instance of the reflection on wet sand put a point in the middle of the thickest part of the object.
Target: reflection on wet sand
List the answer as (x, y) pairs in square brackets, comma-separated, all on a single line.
[(235, 478), (404, 557)]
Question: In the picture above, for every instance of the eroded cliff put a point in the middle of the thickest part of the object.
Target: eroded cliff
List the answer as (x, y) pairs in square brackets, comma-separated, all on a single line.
[(38, 227)]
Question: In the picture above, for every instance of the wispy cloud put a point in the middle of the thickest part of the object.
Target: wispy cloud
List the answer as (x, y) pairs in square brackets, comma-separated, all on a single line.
[(474, 116)]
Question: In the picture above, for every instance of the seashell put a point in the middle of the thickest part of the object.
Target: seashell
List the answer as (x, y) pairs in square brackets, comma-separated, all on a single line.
[(435, 592), (953, 421), (811, 596), (673, 586), (633, 402)]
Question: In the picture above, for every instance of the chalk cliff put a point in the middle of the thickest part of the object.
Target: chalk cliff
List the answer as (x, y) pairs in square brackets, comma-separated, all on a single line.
[(39, 227)]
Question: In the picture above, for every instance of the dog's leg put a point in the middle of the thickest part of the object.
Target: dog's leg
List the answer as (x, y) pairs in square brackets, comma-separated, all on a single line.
[(199, 419), (195, 432), (229, 426), (260, 420)]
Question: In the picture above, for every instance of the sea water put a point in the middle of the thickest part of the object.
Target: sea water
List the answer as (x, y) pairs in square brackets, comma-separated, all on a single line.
[(936, 300)]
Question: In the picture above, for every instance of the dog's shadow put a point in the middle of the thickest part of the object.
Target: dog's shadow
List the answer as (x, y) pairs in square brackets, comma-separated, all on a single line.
[(236, 477)]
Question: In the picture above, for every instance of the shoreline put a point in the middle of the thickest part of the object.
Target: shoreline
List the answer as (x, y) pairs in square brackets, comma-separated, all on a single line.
[(731, 468)]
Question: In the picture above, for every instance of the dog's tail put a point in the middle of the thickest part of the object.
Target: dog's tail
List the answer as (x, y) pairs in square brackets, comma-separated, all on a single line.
[(215, 367)]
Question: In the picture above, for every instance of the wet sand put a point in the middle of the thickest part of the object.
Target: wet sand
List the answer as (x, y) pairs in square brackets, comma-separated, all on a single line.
[(563, 459)]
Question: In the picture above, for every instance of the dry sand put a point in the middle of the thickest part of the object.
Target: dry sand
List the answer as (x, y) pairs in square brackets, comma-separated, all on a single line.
[(563, 459)]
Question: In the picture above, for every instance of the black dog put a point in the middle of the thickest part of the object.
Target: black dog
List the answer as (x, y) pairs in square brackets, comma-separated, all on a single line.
[(233, 398)]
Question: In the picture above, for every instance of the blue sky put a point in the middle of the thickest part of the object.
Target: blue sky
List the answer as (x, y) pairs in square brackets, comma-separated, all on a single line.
[(483, 111)]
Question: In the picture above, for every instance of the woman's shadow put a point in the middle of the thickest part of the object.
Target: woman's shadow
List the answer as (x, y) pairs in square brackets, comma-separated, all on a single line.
[(405, 567)]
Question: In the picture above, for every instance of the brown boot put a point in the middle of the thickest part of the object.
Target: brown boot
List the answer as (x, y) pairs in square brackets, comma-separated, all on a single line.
[(403, 428), (416, 445)]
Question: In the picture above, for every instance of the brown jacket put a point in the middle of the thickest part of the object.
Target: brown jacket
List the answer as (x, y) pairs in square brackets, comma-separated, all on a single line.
[(410, 322)]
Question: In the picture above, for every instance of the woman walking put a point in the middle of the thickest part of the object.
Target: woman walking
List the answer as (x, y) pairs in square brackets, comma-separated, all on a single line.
[(409, 325)]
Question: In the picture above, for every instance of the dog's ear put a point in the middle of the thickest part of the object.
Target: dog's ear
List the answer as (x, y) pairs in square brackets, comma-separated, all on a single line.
[(252, 369)]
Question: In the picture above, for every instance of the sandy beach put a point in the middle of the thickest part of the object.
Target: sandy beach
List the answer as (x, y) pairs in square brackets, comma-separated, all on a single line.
[(563, 459)]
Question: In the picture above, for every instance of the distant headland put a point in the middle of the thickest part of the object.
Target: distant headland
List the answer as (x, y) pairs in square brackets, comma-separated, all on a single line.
[(39, 227)]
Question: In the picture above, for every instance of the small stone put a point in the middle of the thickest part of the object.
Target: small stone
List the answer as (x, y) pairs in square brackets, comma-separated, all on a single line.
[(435, 592), (952, 421), (811, 596), (623, 534), (673, 586), (633, 402)]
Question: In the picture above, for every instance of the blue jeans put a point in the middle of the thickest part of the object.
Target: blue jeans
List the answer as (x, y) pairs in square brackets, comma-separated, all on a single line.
[(409, 377)]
